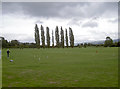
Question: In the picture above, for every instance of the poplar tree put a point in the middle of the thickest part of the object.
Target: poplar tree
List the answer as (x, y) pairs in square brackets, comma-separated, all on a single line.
[(42, 37), (37, 38), (71, 36), (66, 38), (48, 37), (62, 37), (57, 36), (52, 39)]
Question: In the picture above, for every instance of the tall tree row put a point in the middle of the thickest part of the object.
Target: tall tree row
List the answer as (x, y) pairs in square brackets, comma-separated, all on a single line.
[(71, 36), (42, 37), (48, 37), (59, 40), (37, 38), (57, 36), (62, 37)]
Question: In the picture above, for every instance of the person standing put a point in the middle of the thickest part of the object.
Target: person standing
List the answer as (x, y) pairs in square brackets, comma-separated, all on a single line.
[(8, 53)]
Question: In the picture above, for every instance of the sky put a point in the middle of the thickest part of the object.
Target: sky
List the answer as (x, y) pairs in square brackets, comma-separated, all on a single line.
[(90, 21)]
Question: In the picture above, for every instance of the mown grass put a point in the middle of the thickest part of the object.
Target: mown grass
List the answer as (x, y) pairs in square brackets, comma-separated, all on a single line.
[(58, 67), (0, 72)]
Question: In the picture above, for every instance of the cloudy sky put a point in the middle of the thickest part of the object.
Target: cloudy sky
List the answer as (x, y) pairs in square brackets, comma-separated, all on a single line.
[(90, 21)]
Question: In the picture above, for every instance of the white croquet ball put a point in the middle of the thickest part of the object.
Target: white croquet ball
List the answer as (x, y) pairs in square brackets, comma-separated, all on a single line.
[(11, 60)]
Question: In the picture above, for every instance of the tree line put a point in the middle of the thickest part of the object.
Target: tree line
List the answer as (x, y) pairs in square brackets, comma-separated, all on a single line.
[(59, 38), (107, 43), (17, 44)]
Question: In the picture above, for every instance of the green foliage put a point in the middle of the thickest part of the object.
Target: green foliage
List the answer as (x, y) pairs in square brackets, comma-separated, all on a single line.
[(78, 45), (62, 37), (0, 43), (85, 45), (57, 36), (52, 39), (4, 42), (81, 44), (37, 38), (14, 42), (71, 36), (66, 36), (118, 44), (42, 37), (108, 42), (48, 37)]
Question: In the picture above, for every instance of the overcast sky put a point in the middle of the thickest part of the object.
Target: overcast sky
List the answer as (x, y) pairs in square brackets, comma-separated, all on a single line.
[(90, 21)]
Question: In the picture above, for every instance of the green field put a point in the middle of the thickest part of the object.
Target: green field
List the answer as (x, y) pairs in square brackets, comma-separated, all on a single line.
[(58, 67), (0, 73)]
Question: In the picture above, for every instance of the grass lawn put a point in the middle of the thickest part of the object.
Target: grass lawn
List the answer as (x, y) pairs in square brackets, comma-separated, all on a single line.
[(0, 73), (58, 67)]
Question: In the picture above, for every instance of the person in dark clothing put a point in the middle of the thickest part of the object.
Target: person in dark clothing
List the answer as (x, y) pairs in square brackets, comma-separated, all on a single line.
[(8, 53)]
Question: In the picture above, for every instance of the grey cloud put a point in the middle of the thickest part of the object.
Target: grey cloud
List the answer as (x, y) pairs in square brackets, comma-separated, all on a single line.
[(97, 32), (74, 21), (19, 37), (62, 9), (39, 22), (82, 38), (113, 21), (100, 36), (90, 24), (103, 35), (27, 39)]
